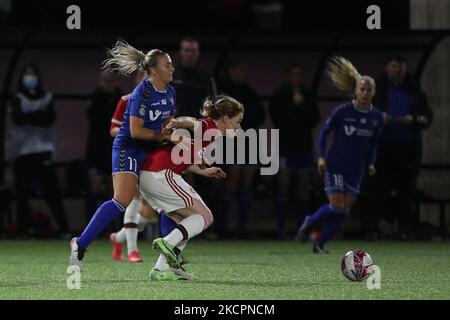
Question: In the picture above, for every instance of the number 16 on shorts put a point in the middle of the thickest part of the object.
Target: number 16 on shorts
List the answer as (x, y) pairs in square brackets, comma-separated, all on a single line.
[(334, 182)]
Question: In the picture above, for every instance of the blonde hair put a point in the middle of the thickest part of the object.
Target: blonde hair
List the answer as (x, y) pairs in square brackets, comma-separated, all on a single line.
[(126, 59), (345, 76), (220, 106)]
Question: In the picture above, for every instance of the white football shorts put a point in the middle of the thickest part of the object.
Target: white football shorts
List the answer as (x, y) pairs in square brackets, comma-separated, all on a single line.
[(166, 190)]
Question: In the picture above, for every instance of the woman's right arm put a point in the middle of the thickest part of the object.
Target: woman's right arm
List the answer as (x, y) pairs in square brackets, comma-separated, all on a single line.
[(138, 131)]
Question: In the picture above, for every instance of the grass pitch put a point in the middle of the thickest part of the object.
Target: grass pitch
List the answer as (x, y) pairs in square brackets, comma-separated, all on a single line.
[(227, 270)]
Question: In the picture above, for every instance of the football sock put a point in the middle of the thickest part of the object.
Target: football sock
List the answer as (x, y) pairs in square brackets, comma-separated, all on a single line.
[(188, 228), (181, 245), (106, 213), (332, 225), (167, 225), (161, 263), (324, 212), (130, 221), (121, 236)]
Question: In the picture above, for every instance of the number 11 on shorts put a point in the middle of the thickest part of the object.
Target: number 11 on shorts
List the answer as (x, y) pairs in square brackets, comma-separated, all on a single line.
[(133, 161)]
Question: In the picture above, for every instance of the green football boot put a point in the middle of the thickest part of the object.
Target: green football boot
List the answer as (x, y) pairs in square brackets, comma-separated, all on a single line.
[(162, 246), (166, 275)]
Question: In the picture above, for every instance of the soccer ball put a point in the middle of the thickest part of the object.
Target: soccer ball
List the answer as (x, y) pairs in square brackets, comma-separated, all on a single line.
[(356, 265)]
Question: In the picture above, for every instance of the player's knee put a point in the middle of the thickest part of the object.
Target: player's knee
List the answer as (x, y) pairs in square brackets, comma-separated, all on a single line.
[(209, 219), (124, 200), (337, 208)]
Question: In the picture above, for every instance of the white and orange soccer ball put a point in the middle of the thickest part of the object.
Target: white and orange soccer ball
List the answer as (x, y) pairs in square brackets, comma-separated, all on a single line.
[(356, 265)]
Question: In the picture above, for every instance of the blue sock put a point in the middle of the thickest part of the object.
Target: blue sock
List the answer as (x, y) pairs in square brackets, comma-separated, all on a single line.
[(167, 225), (332, 226), (245, 202), (324, 212), (106, 213), (281, 204)]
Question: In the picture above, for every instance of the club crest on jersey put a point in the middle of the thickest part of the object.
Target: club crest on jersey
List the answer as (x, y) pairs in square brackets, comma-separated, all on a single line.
[(154, 115), (363, 120), (142, 110), (349, 130), (163, 102), (375, 123), (172, 101)]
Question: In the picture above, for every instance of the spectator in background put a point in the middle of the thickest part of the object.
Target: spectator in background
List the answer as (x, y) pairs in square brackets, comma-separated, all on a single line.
[(234, 84), (33, 146), (192, 84), (98, 153), (406, 113), (293, 109)]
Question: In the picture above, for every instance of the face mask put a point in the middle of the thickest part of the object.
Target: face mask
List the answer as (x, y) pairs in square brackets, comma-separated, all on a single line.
[(30, 81)]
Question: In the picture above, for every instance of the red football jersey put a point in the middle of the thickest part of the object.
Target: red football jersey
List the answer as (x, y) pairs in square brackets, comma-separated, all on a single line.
[(116, 120), (160, 159)]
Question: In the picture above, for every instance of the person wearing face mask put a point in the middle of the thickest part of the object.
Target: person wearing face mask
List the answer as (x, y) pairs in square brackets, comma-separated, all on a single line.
[(33, 146)]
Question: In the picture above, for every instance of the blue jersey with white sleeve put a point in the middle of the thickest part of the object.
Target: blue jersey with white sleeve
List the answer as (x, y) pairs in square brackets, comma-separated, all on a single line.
[(356, 134), (150, 105)]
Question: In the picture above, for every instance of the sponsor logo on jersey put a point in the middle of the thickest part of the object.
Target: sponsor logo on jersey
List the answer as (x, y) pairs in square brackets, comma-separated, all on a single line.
[(349, 130), (155, 104), (163, 102), (363, 120), (350, 119), (154, 115)]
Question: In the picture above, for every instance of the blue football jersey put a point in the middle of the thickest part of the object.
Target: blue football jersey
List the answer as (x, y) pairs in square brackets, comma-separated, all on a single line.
[(356, 134), (150, 105)]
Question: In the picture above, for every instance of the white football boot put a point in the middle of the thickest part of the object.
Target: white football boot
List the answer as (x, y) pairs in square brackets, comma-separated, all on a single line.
[(76, 255)]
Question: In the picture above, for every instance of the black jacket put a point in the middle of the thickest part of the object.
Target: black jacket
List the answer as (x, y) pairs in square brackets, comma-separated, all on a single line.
[(100, 112), (40, 118), (254, 113), (295, 122), (192, 87), (420, 110)]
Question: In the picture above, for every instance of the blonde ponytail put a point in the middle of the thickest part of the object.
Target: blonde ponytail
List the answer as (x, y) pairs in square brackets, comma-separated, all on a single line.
[(343, 74)]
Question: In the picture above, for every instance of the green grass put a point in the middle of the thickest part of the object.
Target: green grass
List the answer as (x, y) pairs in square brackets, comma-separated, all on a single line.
[(227, 270)]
